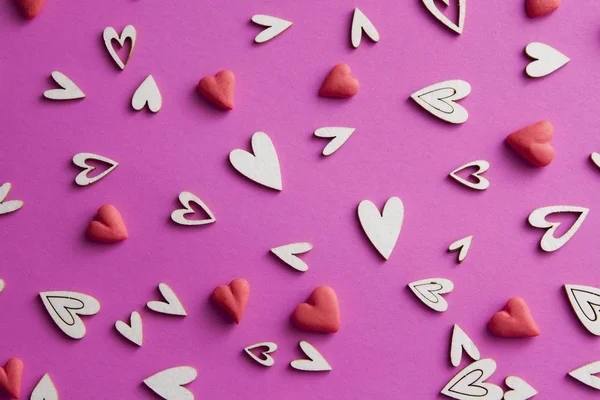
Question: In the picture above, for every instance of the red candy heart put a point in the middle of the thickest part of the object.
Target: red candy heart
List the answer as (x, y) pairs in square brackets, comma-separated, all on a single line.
[(108, 227), (514, 321), (10, 377), (321, 313), (218, 89), (233, 298), (31, 8), (533, 143), (339, 83), (537, 8)]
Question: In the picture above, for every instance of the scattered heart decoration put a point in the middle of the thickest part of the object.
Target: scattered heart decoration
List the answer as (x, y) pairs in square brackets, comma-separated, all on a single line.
[(261, 167), (110, 34), (288, 254), (339, 83), (469, 383), (338, 135), (2, 285), (218, 89), (10, 205), (275, 26), (132, 331), (44, 390), (147, 94), (440, 100), (80, 160), (382, 229), (538, 8), (514, 321), (588, 375), (533, 143), (66, 307), (69, 91), (463, 245), (585, 301), (31, 8), (267, 361), (429, 291), (171, 305), (169, 383), (360, 24), (435, 11), (595, 157), (549, 243), (547, 60), (108, 225), (321, 313), (233, 298), (461, 341), (10, 377), (520, 390), (482, 183), (185, 198), (315, 363)]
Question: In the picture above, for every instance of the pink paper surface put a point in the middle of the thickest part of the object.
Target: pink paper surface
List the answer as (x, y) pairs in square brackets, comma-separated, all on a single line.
[(390, 345)]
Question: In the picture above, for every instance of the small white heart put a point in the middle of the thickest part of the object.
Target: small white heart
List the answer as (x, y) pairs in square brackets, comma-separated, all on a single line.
[(65, 309), (110, 34), (382, 229), (585, 301), (2, 285), (595, 157), (169, 383), (316, 361), (361, 23), (469, 383), (263, 166), (10, 205), (549, 243), (521, 390), (461, 341), (44, 390), (462, 9), (274, 25), (464, 245), (440, 100), (588, 375), (185, 198), (147, 93), (547, 60), (482, 183), (268, 361), (172, 305), (429, 291), (287, 254), (69, 91), (80, 160), (134, 331), (338, 134)]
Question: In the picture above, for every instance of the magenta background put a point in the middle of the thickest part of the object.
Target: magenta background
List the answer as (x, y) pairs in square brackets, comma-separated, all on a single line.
[(390, 346)]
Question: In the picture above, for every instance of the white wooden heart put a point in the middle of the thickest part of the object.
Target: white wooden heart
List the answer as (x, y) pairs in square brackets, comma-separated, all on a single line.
[(361, 23), (288, 252), (338, 134), (549, 243), (65, 309), (462, 10), (267, 361), (133, 332), (464, 245), (595, 157), (10, 205), (274, 25), (469, 383), (44, 390), (316, 361), (172, 305), (110, 34), (261, 167), (69, 91), (429, 291), (440, 100), (169, 383), (80, 159), (547, 60), (585, 301), (521, 390), (588, 375), (2, 284), (461, 341), (147, 93), (382, 229), (482, 183), (185, 198)]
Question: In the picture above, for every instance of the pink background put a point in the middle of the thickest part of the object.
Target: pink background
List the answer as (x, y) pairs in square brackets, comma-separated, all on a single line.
[(390, 345)]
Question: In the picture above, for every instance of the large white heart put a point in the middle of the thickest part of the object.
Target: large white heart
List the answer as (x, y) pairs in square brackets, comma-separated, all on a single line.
[(547, 60), (440, 100), (429, 291), (65, 308), (110, 34), (549, 243), (263, 166), (469, 383), (147, 93), (382, 229), (169, 383), (585, 301)]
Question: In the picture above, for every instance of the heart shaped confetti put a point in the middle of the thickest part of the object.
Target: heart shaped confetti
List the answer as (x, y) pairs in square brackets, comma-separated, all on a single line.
[(315, 363), (185, 198), (274, 25), (65, 309), (339, 83), (10, 377), (171, 306), (463, 245), (169, 383), (520, 390), (218, 89), (440, 100), (339, 136), (482, 183), (585, 301), (132, 332), (321, 313), (110, 34), (44, 390), (69, 91), (147, 94), (382, 229), (469, 383), (267, 361), (435, 11), (287, 254), (547, 60), (588, 375), (80, 159), (461, 341), (549, 243), (514, 321), (429, 291), (233, 298), (261, 167), (8, 206), (108, 225), (533, 143), (360, 24)]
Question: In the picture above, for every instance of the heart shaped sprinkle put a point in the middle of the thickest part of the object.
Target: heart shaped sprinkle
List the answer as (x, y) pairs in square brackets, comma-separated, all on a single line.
[(339, 83), (218, 89), (533, 143), (233, 298), (514, 321), (10, 377), (108, 226)]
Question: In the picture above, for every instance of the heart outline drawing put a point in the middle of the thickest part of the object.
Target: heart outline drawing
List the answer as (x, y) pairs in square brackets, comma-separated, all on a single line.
[(482, 182), (580, 294), (268, 361), (185, 198), (65, 308), (549, 243), (429, 291), (440, 100), (80, 159), (110, 34), (475, 374)]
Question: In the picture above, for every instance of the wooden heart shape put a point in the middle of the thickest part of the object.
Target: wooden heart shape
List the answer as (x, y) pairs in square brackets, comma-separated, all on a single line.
[(267, 361), (533, 143), (514, 321), (430, 291), (65, 309), (549, 243), (360, 24), (461, 341), (261, 167), (382, 229), (321, 313), (134, 331), (108, 226), (218, 89), (435, 11), (585, 301), (69, 90), (440, 99), (546, 60), (520, 390), (482, 183), (8, 206), (147, 94), (80, 159), (169, 383), (274, 25), (233, 298), (110, 34), (315, 363), (339, 83), (470, 383), (185, 198), (44, 390), (10, 377)]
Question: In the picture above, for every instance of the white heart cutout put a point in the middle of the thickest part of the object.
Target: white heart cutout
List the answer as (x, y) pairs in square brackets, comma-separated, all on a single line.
[(429, 291), (361, 23), (261, 167), (110, 34), (69, 91), (588, 375), (274, 25), (547, 60), (169, 383), (482, 183), (469, 383), (172, 305), (44, 390), (462, 10), (440, 100), (338, 134), (521, 390), (80, 159), (185, 198), (585, 301), (65, 309), (268, 361), (382, 229), (595, 157), (461, 341), (316, 362), (464, 245), (147, 93), (132, 332), (287, 254), (549, 243), (2, 285), (10, 205)]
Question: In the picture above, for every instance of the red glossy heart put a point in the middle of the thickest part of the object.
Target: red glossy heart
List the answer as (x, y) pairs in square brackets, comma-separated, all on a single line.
[(321, 313), (533, 143), (10, 377), (218, 89), (339, 83), (108, 226), (233, 298), (514, 321)]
